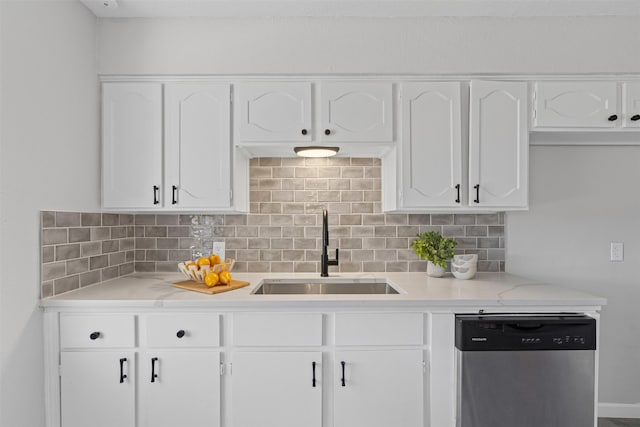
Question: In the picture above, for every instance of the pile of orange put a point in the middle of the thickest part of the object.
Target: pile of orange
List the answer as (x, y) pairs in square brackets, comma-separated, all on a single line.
[(219, 277)]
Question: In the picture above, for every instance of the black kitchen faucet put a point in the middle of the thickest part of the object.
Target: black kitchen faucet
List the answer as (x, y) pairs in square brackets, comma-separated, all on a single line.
[(325, 262)]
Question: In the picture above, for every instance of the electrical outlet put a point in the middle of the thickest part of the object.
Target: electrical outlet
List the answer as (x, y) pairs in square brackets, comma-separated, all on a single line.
[(617, 251), (218, 248)]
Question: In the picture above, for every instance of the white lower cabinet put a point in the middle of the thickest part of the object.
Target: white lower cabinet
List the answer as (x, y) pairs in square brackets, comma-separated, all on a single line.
[(97, 388), (276, 389), (179, 388), (378, 388)]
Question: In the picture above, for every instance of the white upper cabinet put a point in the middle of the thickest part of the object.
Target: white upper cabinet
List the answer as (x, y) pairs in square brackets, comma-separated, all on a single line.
[(356, 111), (274, 112), (197, 145), (498, 145), (588, 104), (131, 145), (196, 170), (431, 156), (631, 95)]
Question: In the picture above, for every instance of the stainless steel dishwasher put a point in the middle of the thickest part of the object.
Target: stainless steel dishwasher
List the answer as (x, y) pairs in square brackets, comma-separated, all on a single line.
[(525, 370)]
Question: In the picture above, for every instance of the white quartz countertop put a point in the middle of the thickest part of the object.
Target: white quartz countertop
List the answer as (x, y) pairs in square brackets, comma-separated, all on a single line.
[(489, 291)]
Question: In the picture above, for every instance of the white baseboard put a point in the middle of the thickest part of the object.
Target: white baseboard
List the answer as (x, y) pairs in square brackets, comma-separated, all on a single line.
[(618, 410)]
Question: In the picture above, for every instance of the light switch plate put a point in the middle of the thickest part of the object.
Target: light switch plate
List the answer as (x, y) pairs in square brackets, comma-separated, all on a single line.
[(218, 248), (617, 251)]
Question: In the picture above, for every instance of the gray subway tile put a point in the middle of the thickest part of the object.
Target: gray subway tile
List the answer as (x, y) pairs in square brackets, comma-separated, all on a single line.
[(145, 219), (167, 219), (167, 243), (270, 232), (396, 266), (141, 254), (82, 234), (155, 231), (248, 255), (259, 243), (419, 219), (304, 243), (258, 267), (270, 184), (453, 230), (53, 271), (374, 242), (145, 266), (46, 290), (282, 267), (270, 255), (373, 266), (98, 261), (385, 231), (270, 208), (68, 219), (351, 219), (407, 255), (284, 172), (488, 219), (418, 266), (397, 242), (89, 278), (351, 196), (110, 220), (91, 219), (48, 254), (166, 266), (442, 219), (476, 230), (385, 255), (408, 230), (495, 230), (128, 268), (54, 236), (147, 242), (488, 242), (110, 246), (126, 219), (76, 266), (372, 196), (118, 232), (291, 184), (180, 254), (117, 258), (178, 231), (362, 184), (64, 252), (66, 284), (282, 243), (100, 233), (396, 219), (489, 266), (90, 248), (47, 219), (466, 243), (375, 219), (128, 244), (109, 273), (495, 254), (362, 208), (464, 219), (339, 184), (305, 267), (292, 255), (350, 243)]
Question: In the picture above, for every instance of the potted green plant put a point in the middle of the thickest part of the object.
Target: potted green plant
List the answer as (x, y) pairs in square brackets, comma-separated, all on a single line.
[(436, 249)]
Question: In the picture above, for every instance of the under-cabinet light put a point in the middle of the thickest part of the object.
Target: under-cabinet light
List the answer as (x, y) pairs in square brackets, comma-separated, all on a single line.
[(316, 151)]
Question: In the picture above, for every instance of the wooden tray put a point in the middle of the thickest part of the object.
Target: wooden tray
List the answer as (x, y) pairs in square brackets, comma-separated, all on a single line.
[(201, 287)]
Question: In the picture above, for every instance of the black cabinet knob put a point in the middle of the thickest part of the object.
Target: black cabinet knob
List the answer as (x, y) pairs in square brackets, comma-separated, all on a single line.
[(635, 118), (156, 195), (458, 191), (613, 118), (180, 333), (94, 335), (174, 194), (327, 131), (304, 131)]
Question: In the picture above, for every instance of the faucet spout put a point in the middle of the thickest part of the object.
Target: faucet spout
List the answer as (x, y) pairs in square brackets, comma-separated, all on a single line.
[(325, 262)]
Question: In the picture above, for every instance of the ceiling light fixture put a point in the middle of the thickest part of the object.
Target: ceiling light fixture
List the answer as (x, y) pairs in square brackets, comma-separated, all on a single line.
[(316, 151)]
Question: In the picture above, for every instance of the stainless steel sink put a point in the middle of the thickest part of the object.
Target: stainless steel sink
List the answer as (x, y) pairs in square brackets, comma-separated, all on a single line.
[(325, 286)]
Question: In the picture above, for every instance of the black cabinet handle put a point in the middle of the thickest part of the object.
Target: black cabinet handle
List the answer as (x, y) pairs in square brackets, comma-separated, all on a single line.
[(458, 190), (327, 132), (156, 198), (153, 369), (613, 118), (180, 333), (122, 374), (174, 194), (94, 336), (304, 131), (477, 188), (635, 118), (342, 379), (313, 367)]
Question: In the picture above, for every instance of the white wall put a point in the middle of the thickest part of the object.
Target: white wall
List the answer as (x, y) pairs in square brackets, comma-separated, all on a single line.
[(581, 198), (49, 160)]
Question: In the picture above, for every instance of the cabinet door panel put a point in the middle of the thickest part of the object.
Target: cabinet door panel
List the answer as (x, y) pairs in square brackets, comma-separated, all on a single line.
[(198, 145), (186, 391), (357, 111), (575, 104), (91, 391), (431, 145), (381, 388), (631, 105), (498, 144), (274, 112), (131, 145), (275, 389)]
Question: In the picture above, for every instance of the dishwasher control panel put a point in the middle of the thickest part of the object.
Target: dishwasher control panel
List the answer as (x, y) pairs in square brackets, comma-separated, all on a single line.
[(525, 332)]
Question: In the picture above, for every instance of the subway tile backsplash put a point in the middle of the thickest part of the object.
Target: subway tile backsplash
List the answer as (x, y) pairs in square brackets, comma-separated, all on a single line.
[(282, 232)]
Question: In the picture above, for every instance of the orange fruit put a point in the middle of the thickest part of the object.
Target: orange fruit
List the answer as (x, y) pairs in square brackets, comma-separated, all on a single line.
[(202, 261), (225, 277), (214, 259), (211, 279)]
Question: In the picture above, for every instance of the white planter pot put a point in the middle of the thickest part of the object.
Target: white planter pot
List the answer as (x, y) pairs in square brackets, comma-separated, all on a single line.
[(434, 270)]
